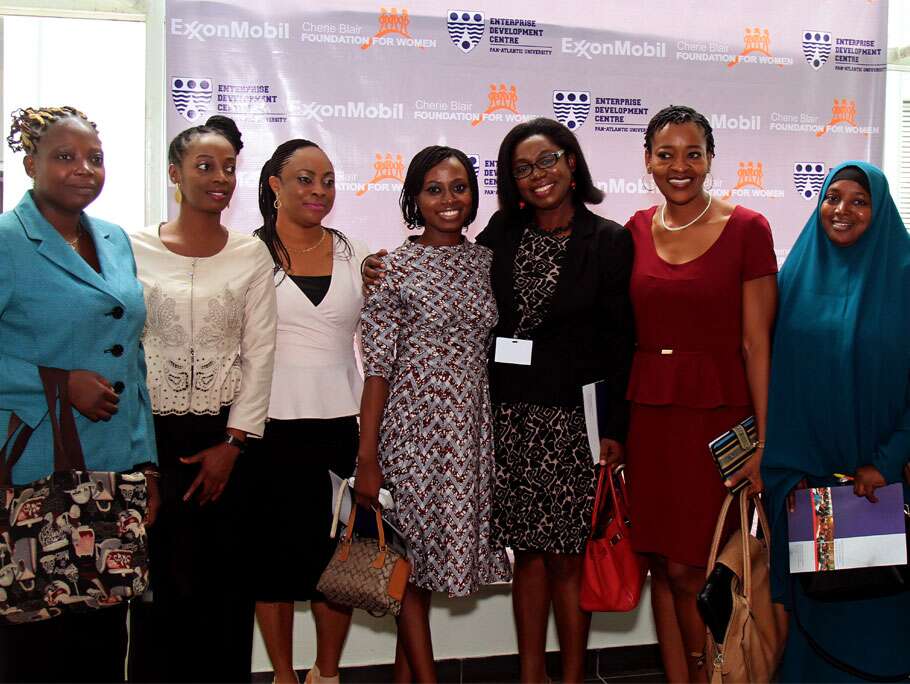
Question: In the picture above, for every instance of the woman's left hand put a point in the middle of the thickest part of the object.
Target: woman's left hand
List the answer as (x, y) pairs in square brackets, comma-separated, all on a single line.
[(750, 471), (217, 464), (866, 480)]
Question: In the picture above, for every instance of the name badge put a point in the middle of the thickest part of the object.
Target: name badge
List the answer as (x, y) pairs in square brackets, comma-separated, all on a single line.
[(510, 350)]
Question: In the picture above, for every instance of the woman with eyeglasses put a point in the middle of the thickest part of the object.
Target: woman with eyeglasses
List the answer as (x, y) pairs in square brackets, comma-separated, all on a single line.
[(560, 278)]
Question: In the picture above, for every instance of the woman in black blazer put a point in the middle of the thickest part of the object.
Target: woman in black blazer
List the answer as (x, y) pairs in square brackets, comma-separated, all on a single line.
[(560, 276), (561, 280)]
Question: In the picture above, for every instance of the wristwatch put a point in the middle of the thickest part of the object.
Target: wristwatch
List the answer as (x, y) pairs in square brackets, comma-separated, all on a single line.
[(236, 442)]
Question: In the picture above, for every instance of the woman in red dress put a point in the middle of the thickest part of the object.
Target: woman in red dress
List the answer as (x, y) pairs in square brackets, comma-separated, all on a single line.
[(704, 292)]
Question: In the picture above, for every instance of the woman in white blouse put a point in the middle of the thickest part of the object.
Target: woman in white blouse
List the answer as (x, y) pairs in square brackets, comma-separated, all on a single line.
[(316, 389), (209, 344)]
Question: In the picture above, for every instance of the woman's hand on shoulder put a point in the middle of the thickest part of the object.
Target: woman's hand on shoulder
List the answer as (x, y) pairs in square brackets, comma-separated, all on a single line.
[(92, 395), (372, 270), (866, 480)]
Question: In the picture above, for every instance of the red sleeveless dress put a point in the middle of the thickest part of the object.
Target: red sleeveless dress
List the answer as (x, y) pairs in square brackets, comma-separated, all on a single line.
[(688, 383)]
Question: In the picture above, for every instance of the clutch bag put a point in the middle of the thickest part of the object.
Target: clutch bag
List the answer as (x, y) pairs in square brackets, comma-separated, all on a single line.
[(734, 448)]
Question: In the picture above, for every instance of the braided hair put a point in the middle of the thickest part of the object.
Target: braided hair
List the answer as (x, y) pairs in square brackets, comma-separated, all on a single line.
[(268, 232), (679, 114), (31, 123), (219, 125)]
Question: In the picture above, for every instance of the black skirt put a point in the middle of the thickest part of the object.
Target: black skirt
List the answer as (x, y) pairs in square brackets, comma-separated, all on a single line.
[(293, 501)]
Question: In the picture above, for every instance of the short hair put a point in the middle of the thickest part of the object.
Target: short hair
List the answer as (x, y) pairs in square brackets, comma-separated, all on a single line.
[(679, 114), (219, 125), (506, 186), (420, 165), (31, 123), (268, 232)]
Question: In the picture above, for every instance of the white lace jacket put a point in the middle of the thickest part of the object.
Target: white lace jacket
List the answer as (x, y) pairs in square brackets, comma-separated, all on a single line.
[(209, 335)]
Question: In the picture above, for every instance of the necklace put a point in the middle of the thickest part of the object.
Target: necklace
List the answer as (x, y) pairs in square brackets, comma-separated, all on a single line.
[(663, 218), (74, 243), (310, 249)]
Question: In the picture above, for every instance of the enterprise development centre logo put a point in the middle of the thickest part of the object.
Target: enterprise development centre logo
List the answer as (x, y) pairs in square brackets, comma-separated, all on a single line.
[(571, 107), (465, 28), (816, 48), (192, 96), (808, 178)]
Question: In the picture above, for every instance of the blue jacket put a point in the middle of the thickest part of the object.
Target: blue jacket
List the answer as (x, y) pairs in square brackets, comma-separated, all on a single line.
[(56, 311)]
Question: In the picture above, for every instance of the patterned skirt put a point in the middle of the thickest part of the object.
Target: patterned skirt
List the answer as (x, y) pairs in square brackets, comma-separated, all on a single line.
[(545, 478)]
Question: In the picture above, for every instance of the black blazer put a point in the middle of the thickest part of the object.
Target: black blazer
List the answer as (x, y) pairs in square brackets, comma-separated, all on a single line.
[(589, 334)]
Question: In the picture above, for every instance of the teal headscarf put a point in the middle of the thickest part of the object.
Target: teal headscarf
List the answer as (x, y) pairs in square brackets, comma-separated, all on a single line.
[(840, 368)]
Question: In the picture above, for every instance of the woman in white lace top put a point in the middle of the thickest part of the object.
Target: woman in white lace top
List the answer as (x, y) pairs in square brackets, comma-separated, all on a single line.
[(209, 344)]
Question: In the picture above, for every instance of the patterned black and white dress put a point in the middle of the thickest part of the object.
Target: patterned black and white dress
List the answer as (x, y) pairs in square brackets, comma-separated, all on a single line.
[(544, 468), (426, 329)]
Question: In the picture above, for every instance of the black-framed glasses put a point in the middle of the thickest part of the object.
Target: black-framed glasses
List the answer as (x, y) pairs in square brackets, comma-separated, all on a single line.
[(544, 161)]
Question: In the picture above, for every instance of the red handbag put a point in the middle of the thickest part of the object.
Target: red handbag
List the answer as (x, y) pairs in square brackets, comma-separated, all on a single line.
[(613, 574)]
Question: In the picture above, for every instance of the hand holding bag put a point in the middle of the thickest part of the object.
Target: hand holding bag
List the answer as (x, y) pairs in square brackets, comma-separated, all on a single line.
[(364, 573), (74, 540), (613, 574), (754, 641)]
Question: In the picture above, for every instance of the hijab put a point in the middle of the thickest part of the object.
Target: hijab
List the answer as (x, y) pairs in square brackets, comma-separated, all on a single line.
[(840, 368)]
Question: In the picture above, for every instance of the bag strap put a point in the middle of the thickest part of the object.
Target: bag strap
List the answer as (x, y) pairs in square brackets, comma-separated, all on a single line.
[(744, 534), (342, 488), (718, 531), (597, 496), (834, 661), (379, 561)]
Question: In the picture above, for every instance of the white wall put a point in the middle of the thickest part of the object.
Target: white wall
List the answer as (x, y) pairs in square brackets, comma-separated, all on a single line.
[(54, 61), (462, 628)]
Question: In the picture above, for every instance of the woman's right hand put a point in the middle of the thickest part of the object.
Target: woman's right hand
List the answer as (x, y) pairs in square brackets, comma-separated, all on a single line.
[(367, 481), (791, 497), (372, 270), (92, 395)]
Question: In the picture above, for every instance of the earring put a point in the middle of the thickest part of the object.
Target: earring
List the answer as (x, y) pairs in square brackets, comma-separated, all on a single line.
[(649, 183), (178, 196), (276, 203), (708, 177), (521, 204), (572, 184)]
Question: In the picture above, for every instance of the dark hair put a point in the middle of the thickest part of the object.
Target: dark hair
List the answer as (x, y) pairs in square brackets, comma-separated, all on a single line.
[(31, 123), (506, 187), (219, 125), (420, 165), (679, 114), (268, 232)]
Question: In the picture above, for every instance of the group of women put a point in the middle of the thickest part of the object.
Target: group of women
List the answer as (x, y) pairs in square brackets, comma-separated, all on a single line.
[(232, 383)]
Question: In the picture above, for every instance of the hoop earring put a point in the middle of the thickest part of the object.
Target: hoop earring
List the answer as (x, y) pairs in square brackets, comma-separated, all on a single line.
[(276, 204), (705, 185), (178, 196), (649, 184)]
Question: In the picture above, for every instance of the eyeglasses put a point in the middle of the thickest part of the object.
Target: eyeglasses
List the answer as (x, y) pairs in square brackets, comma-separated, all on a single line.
[(545, 161)]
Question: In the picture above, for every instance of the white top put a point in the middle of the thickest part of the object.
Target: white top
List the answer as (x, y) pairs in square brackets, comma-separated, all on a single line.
[(209, 334), (316, 373)]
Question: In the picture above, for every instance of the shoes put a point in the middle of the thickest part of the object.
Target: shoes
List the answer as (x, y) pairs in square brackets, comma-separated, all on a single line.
[(314, 677)]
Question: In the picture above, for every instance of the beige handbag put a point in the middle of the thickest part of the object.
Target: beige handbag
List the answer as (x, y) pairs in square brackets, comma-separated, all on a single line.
[(755, 636), (364, 573)]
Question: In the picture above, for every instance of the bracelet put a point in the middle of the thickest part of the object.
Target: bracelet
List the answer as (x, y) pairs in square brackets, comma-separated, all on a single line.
[(760, 444), (239, 444), (152, 473)]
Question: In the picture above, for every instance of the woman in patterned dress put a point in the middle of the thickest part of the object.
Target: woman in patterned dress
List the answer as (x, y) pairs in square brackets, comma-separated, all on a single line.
[(560, 276), (426, 429)]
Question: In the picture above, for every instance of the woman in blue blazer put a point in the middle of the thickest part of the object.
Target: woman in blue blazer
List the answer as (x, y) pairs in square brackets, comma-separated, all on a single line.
[(69, 299)]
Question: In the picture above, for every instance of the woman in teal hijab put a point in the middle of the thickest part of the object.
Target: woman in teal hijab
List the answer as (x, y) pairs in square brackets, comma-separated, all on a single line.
[(840, 403)]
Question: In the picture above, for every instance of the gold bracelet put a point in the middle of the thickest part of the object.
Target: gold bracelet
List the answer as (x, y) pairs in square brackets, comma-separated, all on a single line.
[(760, 444)]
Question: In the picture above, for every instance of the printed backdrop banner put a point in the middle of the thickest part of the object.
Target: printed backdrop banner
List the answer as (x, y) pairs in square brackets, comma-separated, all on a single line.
[(791, 89)]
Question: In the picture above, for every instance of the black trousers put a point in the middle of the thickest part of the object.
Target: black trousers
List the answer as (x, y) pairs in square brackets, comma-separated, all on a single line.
[(199, 625), (77, 647)]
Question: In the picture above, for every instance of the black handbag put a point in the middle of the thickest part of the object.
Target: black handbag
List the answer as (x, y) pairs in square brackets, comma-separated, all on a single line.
[(74, 540)]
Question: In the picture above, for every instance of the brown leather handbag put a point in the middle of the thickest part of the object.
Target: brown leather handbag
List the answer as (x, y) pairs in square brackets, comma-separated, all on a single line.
[(364, 572), (754, 640)]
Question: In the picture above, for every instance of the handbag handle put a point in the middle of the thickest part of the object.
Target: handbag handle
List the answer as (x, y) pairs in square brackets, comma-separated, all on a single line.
[(614, 471), (67, 447), (745, 533), (379, 561)]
